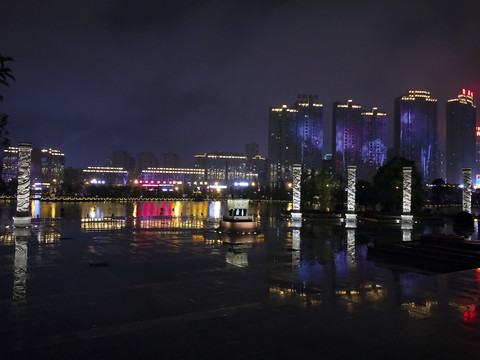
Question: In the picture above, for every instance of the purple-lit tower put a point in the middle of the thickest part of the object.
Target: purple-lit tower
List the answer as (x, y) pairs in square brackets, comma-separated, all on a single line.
[(309, 132), (461, 136), (416, 131), (347, 135), (374, 146)]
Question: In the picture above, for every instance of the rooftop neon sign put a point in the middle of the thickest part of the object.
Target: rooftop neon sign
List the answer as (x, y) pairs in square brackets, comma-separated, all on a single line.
[(467, 93)]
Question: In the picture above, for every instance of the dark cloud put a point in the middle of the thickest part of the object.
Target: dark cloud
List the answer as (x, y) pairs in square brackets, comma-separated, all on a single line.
[(196, 76)]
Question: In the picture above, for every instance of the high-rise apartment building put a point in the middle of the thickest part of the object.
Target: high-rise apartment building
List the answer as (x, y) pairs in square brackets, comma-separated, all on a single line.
[(281, 143), (252, 150), (47, 166), (309, 131), (374, 146), (10, 163), (145, 160), (461, 136), (171, 160), (124, 160), (347, 135), (416, 131), (295, 136)]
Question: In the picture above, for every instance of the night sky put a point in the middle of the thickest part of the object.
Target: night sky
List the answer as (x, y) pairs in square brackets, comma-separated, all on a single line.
[(198, 76)]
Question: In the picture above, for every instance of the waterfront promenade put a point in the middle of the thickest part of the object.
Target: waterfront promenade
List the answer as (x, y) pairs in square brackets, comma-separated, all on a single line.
[(172, 289)]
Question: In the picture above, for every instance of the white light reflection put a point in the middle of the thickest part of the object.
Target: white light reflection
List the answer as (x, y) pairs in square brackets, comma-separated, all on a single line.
[(351, 246), (20, 269)]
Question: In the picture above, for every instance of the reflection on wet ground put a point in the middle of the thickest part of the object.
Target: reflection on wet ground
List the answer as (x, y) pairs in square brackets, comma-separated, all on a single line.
[(173, 287)]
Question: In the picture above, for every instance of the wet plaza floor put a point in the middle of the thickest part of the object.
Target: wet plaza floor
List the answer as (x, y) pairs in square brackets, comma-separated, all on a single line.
[(174, 288)]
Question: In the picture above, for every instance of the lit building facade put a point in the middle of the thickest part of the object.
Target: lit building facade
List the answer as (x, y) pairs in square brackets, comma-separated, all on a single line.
[(53, 166), (374, 146), (105, 175), (256, 167), (477, 155), (224, 169), (295, 137), (347, 135), (461, 136), (416, 131), (170, 178), (47, 167), (10, 163)]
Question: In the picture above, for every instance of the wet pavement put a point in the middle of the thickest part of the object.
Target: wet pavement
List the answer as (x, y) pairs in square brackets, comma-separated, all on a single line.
[(176, 289)]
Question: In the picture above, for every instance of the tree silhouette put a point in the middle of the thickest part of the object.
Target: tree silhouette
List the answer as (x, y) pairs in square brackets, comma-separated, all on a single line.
[(5, 78), (388, 185)]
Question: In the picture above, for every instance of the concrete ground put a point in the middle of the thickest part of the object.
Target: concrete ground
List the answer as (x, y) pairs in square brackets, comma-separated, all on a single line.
[(74, 291)]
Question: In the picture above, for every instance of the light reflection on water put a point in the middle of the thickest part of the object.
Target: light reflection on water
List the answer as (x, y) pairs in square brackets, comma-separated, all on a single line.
[(320, 264), (141, 209)]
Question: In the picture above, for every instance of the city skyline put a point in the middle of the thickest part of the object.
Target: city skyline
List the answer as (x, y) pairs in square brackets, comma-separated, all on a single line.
[(200, 76)]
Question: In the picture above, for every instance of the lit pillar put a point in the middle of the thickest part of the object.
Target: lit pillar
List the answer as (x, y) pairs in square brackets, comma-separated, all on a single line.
[(467, 190), (350, 216), (23, 218), (407, 217), (297, 185)]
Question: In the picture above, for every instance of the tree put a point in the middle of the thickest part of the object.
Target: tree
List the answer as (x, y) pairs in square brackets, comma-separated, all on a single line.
[(365, 195), (318, 189), (388, 185), (5, 77)]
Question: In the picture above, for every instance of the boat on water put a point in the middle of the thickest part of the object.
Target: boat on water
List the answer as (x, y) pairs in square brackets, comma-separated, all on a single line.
[(236, 219)]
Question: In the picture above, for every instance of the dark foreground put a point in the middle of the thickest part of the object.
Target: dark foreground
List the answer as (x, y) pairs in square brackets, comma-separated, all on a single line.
[(76, 292)]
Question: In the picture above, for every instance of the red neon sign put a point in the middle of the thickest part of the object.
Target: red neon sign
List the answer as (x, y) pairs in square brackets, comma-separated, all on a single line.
[(467, 93)]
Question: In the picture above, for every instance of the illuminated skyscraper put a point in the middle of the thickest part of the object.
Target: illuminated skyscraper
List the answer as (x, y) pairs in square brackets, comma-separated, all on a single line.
[(295, 136), (347, 135), (416, 131), (309, 141), (53, 166), (10, 163), (281, 143), (461, 136), (374, 146)]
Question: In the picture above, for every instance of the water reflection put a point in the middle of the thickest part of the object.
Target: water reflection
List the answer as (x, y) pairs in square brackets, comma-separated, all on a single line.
[(237, 254), (20, 269), (321, 264)]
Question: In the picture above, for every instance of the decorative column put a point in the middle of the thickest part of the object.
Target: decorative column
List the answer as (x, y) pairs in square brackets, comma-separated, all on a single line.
[(23, 218), (407, 217), (297, 185), (350, 216), (467, 190)]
